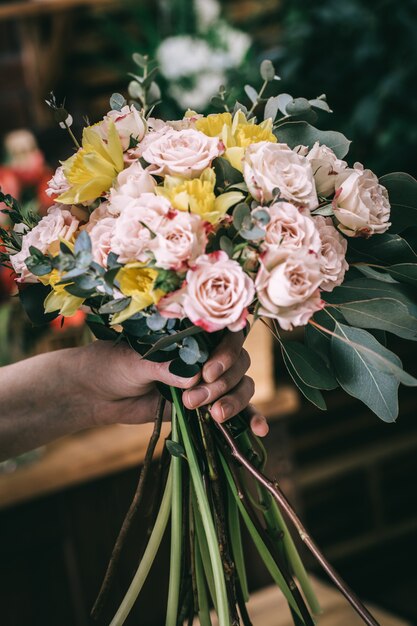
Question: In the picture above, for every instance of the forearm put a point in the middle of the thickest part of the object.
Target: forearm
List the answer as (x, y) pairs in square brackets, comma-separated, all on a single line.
[(38, 402)]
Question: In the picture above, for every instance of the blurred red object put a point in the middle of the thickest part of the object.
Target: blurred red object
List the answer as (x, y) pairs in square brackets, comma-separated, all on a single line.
[(75, 321), (44, 200), (9, 184), (7, 283)]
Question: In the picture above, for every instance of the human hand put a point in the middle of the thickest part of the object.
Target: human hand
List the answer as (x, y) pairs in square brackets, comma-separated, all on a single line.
[(119, 386)]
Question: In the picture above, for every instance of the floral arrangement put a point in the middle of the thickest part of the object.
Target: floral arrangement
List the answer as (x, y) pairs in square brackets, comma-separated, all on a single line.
[(169, 234)]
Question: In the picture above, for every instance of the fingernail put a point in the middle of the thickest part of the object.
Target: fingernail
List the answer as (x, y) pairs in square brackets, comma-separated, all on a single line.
[(198, 396), (213, 372), (227, 410)]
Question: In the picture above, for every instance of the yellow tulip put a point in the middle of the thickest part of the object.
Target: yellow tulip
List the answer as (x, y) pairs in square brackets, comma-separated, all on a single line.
[(92, 170), (137, 282), (197, 196)]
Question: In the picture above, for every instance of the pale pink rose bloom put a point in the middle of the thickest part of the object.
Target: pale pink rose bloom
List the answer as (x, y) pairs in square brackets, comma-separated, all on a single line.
[(215, 295), (332, 254), (131, 183), (101, 235), (326, 166), (136, 225), (290, 227), (57, 224), (185, 153), (58, 183), (269, 166), (180, 239), (129, 124), (361, 204), (287, 286), (100, 213)]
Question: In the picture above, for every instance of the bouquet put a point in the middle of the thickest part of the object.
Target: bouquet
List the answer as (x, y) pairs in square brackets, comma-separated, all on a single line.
[(169, 234)]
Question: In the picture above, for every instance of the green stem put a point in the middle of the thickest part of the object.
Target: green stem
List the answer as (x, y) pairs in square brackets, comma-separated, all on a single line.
[(203, 605), (207, 519), (176, 531), (148, 556)]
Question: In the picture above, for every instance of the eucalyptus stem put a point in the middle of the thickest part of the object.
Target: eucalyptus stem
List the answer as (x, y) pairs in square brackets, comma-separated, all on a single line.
[(133, 509), (258, 99), (206, 516), (148, 556), (279, 496), (176, 531), (73, 137)]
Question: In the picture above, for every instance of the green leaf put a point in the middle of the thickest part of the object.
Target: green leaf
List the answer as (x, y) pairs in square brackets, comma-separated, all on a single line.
[(267, 70), (190, 351), (241, 213), (226, 245), (174, 338), (302, 133), (136, 326), (140, 60), (320, 103), (404, 272), (226, 175), (38, 267), (309, 365), (114, 306), (375, 274), (185, 370), (236, 544), (251, 93), (298, 106), (402, 192), (83, 243), (32, 297), (313, 395), (283, 99), (175, 448), (381, 313), (385, 249), (100, 330), (368, 289), (271, 108), (117, 101)]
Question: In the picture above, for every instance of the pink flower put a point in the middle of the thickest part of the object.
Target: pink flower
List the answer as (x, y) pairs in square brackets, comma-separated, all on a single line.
[(216, 294), (186, 153), (332, 254), (287, 286), (291, 228), (326, 166), (270, 166), (136, 225), (129, 125), (101, 235), (58, 183), (57, 224), (180, 239), (130, 185)]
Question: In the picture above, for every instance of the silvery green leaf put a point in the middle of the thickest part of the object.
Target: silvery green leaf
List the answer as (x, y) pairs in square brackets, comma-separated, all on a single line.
[(302, 133), (115, 306), (217, 102), (156, 321), (251, 93), (283, 99), (402, 192), (117, 101), (271, 108), (299, 106), (404, 273), (240, 107), (140, 60), (267, 70), (253, 234), (83, 259), (154, 92), (135, 90), (241, 211), (262, 216), (325, 211), (83, 242), (226, 245), (370, 272), (318, 103), (190, 351)]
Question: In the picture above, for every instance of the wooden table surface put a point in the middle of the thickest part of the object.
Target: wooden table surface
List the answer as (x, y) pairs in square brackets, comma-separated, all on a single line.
[(100, 451)]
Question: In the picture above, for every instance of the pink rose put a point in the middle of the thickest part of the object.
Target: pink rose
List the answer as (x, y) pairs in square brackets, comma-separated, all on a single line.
[(287, 286), (180, 239), (135, 226), (57, 224), (130, 185), (186, 153), (361, 204), (129, 125), (101, 235), (215, 295), (332, 254), (58, 183), (326, 166), (269, 166), (290, 227)]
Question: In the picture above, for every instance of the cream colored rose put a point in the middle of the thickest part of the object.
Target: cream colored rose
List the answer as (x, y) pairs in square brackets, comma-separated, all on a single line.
[(130, 185), (332, 253), (287, 286), (180, 239), (326, 166), (361, 204), (129, 125), (101, 235), (269, 166), (186, 153), (290, 227)]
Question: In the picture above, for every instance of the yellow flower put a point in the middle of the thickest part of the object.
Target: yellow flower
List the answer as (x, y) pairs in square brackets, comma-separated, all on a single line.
[(237, 133), (197, 196), (59, 299), (137, 282), (92, 170)]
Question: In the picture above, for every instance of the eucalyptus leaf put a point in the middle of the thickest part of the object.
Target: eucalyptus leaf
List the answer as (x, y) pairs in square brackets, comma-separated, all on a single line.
[(226, 175), (298, 106), (310, 367), (252, 234), (117, 101), (82, 243), (115, 306), (371, 272), (251, 93), (313, 395), (32, 298), (325, 211), (271, 108), (140, 60), (174, 338), (226, 245), (385, 249), (240, 213), (190, 351), (267, 70), (402, 192), (185, 370), (283, 99), (404, 272), (367, 289), (156, 321), (302, 133), (319, 103)]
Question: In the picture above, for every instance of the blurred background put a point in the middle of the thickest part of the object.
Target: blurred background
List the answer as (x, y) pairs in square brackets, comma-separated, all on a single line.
[(351, 476)]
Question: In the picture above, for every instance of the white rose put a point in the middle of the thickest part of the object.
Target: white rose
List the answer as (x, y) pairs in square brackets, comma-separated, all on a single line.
[(290, 227), (130, 185), (326, 166), (135, 226), (185, 153), (287, 285), (332, 254), (180, 239), (57, 224), (269, 166), (361, 204), (129, 125)]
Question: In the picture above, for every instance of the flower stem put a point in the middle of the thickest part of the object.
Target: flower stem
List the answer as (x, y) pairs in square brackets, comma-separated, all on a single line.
[(176, 531), (148, 556), (207, 520)]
